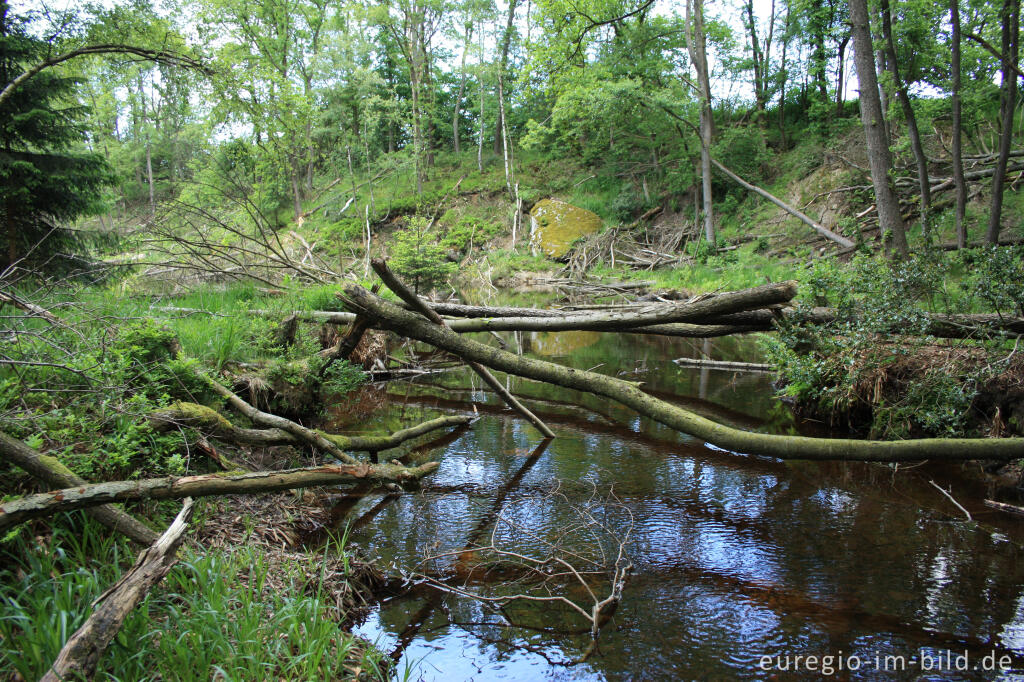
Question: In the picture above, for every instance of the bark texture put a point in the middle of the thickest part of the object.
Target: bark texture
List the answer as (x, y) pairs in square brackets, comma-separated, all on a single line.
[(31, 507), (879, 157)]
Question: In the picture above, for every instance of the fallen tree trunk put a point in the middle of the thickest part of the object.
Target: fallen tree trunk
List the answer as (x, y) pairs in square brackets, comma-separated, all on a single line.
[(393, 283), (215, 424), (81, 654), (714, 306), (402, 322), (943, 326), (50, 471), (301, 433), (796, 213), (727, 365), (31, 507)]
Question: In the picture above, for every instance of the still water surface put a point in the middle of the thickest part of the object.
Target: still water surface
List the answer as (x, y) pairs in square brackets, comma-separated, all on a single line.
[(735, 557)]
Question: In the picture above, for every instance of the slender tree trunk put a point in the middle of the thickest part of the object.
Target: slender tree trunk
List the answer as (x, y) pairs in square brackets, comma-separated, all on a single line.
[(506, 42), (957, 143), (480, 75), (879, 157), (457, 108), (695, 40), (841, 75), (908, 113), (149, 176), (1008, 104), (760, 94), (783, 77)]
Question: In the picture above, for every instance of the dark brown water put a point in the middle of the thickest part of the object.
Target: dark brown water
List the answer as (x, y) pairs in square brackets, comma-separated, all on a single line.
[(740, 563)]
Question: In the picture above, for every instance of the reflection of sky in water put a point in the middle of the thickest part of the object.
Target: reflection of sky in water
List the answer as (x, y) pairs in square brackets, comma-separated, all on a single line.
[(736, 557)]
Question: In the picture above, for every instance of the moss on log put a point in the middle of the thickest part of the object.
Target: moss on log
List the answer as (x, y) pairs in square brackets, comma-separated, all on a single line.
[(52, 472), (396, 319), (212, 422)]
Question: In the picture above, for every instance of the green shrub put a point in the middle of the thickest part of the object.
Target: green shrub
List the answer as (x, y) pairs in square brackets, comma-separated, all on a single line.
[(417, 256)]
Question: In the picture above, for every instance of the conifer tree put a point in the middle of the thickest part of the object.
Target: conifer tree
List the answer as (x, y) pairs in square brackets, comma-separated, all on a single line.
[(46, 182)]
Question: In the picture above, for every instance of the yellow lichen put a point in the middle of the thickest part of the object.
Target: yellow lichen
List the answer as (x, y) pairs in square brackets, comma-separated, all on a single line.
[(556, 225)]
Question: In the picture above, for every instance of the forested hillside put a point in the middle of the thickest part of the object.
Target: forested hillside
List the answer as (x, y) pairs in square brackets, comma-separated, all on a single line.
[(243, 240)]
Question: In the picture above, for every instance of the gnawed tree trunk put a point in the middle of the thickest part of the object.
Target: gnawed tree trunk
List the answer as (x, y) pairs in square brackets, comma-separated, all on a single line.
[(42, 505), (400, 321), (880, 158), (50, 471), (81, 654)]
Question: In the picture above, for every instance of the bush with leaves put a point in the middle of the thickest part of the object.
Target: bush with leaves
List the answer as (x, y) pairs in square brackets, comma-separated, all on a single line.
[(856, 371)]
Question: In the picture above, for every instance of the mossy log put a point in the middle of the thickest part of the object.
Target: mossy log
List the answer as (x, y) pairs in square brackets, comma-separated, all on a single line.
[(213, 423), (41, 505), (301, 433), (50, 471), (79, 657), (389, 316)]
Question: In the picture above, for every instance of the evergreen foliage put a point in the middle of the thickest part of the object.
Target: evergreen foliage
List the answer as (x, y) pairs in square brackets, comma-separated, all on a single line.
[(45, 182)]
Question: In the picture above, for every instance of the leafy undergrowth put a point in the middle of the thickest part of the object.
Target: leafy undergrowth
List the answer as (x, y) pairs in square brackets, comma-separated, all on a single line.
[(233, 613), (876, 369)]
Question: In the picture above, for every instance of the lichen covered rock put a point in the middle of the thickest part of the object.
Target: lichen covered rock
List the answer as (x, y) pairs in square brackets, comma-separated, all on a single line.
[(555, 225)]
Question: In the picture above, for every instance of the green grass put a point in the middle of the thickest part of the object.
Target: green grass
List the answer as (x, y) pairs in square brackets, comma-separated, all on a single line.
[(211, 616)]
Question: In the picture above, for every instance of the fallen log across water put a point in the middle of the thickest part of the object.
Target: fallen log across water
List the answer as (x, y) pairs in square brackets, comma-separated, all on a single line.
[(400, 290), (81, 654), (388, 316), (213, 423), (52, 472), (507, 318), (41, 505)]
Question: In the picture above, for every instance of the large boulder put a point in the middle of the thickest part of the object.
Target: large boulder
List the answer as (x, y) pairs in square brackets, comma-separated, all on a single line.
[(555, 225)]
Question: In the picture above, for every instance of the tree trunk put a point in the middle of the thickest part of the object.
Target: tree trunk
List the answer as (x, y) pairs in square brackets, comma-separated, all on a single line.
[(393, 283), (908, 113), (506, 42), (480, 137), (81, 654), (149, 177), (457, 108), (889, 217), (759, 66), (841, 75), (799, 215), (695, 42), (50, 471), (783, 77), (215, 425), (14, 512), (1007, 106), (957, 142), (402, 322)]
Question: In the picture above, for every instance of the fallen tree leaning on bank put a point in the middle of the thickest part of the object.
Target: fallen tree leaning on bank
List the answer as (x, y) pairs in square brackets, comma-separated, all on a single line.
[(388, 316)]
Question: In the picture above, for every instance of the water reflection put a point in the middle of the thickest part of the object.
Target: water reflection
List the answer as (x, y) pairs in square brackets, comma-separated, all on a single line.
[(735, 557)]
